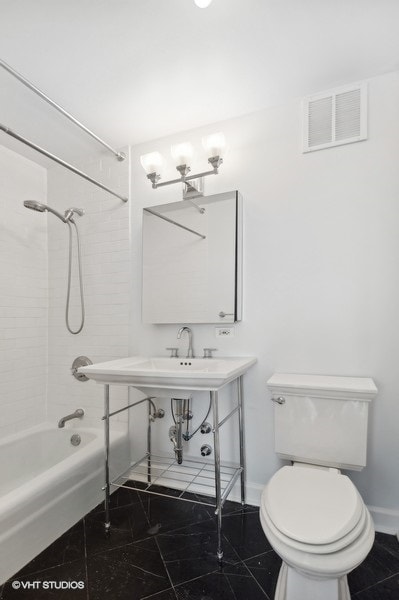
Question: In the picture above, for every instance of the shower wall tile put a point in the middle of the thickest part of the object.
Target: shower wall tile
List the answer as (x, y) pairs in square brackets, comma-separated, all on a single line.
[(23, 295), (105, 241)]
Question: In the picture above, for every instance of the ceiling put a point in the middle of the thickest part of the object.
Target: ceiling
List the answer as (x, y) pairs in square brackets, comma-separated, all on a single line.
[(135, 70)]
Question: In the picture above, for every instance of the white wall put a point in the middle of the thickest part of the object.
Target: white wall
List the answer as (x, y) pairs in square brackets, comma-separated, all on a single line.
[(105, 240), (23, 295), (321, 270)]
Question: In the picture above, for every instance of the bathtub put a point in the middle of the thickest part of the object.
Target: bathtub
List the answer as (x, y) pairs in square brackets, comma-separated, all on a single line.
[(47, 485)]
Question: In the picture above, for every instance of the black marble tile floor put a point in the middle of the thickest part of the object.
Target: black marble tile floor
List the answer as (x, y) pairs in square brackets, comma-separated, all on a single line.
[(164, 549)]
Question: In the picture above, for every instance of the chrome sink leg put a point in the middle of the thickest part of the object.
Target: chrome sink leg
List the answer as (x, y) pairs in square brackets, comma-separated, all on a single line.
[(218, 512), (150, 419), (107, 523), (241, 428)]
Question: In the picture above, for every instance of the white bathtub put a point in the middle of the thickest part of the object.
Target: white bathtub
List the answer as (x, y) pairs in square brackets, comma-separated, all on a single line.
[(47, 485)]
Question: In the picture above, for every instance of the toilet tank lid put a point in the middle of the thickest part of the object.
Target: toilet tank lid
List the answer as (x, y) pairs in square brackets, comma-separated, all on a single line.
[(324, 385)]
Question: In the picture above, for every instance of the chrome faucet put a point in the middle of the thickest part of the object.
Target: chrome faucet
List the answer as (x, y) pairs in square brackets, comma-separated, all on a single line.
[(190, 351), (78, 414)]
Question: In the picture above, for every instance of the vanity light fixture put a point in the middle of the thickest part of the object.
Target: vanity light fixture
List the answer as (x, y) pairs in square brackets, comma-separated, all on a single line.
[(202, 3), (182, 154)]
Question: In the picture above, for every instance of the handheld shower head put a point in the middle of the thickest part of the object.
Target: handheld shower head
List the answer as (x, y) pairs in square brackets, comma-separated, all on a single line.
[(67, 219), (38, 206), (33, 205)]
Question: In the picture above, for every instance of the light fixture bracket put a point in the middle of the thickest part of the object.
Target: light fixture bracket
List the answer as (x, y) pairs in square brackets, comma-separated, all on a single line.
[(215, 161), (193, 189), (154, 178), (183, 170)]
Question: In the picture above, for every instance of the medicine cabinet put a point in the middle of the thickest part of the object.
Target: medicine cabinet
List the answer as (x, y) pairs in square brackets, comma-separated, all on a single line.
[(192, 261)]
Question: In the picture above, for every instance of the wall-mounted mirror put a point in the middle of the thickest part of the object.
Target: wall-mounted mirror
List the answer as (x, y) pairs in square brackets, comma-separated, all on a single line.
[(192, 261)]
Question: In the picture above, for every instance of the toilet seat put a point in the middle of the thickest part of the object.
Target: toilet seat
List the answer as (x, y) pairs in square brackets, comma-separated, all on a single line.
[(323, 565), (314, 510), (321, 548)]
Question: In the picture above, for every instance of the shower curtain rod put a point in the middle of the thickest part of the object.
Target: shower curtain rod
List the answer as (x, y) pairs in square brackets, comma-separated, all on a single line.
[(58, 160), (36, 90)]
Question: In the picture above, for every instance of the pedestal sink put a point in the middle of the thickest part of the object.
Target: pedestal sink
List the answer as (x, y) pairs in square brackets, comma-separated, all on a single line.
[(176, 378), (178, 374)]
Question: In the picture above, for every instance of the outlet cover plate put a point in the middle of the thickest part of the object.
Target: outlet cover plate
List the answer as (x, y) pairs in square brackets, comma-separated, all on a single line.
[(224, 332)]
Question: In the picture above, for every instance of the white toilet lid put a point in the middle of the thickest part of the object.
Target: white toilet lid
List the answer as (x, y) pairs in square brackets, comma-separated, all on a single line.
[(312, 506)]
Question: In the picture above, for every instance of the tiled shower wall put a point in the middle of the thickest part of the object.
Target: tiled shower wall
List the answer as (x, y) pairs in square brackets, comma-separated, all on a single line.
[(105, 241), (23, 295)]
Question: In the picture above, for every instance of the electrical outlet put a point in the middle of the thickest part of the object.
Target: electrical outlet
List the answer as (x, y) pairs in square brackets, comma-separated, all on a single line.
[(224, 332)]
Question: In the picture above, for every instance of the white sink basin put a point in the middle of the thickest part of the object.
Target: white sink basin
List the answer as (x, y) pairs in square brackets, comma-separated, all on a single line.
[(148, 374)]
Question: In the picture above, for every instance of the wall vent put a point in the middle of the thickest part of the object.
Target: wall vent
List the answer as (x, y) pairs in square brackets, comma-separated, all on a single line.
[(335, 117)]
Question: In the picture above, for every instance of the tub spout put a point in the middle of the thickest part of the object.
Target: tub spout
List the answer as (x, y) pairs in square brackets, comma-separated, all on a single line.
[(78, 414)]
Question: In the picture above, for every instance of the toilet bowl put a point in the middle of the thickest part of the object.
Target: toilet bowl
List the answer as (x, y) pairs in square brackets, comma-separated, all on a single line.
[(318, 524), (311, 513)]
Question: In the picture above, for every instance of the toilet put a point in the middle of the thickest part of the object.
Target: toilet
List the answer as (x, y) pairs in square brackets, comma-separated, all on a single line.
[(311, 513)]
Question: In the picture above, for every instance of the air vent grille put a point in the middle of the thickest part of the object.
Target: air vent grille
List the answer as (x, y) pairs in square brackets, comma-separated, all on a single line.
[(320, 119), (335, 117), (347, 115)]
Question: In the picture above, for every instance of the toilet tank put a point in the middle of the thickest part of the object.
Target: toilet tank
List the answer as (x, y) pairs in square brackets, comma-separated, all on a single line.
[(321, 419)]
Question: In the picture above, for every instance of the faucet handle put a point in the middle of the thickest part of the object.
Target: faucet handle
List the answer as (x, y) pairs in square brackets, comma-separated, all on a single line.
[(208, 352), (173, 352)]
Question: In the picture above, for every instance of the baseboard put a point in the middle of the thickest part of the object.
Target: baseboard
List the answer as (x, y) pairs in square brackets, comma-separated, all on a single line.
[(253, 492), (386, 520)]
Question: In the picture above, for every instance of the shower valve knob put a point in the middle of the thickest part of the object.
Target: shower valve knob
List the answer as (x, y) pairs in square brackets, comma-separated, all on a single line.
[(206, 428), (80, 361), (159, 413), (206, 450)]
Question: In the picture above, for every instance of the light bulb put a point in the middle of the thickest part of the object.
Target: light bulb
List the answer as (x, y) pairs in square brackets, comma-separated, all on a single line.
[(182, 153), (151, 162), (202, 3), (214, 144)]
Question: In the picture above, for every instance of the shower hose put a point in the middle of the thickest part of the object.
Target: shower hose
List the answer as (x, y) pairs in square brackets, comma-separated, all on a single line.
[(82, 305)]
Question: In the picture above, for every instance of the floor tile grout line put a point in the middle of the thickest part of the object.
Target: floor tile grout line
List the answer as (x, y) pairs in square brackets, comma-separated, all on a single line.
[(177, 585), (237, 560), (157, 594), (131, 543), (256, 581), (257, 555), (376, 584), (230, 586), (226, 540), (188, 524), (67, 562), (217, 572), (164, 564), (102, 511), (393, 553)]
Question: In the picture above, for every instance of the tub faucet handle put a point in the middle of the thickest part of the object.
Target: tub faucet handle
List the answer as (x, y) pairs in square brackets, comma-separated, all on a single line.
[(279, 400)]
